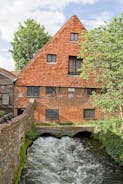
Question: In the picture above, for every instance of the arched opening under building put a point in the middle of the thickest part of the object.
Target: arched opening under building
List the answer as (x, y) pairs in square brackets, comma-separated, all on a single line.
[(84, 134)]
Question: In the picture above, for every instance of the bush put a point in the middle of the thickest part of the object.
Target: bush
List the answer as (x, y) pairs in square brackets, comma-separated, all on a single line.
[(114, 146), (108, 132)]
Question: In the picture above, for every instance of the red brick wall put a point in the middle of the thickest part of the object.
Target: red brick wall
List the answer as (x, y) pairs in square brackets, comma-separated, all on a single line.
[(70, 108), (39, 73)]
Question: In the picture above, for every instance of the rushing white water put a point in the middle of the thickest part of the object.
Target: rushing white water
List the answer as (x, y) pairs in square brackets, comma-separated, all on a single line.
[(68, 161)]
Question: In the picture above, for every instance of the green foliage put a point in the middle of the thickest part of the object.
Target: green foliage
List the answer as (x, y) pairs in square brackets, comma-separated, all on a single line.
[(108, 133), (113, 124), (29, 138), (22, 160), (102, 50), (2, 113), (32, 134), (29, 38), (114, 146)]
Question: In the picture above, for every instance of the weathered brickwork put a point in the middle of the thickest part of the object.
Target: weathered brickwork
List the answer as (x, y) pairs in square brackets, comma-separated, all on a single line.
[(41, 73), (11, 138)]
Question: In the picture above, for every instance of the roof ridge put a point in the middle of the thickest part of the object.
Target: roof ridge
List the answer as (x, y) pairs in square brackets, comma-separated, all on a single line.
[(7, 73)]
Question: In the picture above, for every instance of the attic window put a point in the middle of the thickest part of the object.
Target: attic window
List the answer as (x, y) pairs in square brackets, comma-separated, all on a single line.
[(51, 58), (74, 37)]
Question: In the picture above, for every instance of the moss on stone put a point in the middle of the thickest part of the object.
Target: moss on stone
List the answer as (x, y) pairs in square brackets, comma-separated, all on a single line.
[(30, 136)]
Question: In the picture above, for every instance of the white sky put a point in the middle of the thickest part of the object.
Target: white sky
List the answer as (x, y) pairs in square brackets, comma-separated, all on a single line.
[(51, 14)]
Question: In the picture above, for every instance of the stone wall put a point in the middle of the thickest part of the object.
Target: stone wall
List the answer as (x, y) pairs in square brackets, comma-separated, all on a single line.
[(11, 138)]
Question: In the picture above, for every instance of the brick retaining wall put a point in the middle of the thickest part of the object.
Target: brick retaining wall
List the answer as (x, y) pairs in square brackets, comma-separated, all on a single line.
[(11, 138)]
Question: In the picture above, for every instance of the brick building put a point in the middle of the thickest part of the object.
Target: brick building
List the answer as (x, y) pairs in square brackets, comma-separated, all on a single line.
[(52, 78), (6, 90)]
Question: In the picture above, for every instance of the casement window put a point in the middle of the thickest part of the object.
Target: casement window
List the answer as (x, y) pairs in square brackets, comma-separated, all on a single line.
[(90, 91), (52, 114), (74, 65), (5, 99), (89, 113), (74, 37), (51, 58), (50, 90), (33, 91)]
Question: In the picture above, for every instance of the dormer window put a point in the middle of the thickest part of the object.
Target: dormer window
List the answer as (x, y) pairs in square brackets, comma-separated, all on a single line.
[(74, 37), (51, 58)]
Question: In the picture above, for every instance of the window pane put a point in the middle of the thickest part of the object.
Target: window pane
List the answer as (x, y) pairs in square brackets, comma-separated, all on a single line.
[(78, 65), (50, 90), (52, 114), (71, 67), (89, 113), (74, 65), (74, 36), (33, 91), (29, 91), (51, 58), (5, 99)]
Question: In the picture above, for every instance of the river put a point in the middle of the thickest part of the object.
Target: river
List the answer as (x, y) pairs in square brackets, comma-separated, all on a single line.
[(69, 161)]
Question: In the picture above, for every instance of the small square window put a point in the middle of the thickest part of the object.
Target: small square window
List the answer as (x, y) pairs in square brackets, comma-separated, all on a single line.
[(33, 91), (51, 58), (74, 37), (90, 91), (50, 90), (89, 113), (52, 114)]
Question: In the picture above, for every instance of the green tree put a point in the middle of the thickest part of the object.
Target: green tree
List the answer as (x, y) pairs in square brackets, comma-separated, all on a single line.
[(29, 38), (102, 50)]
